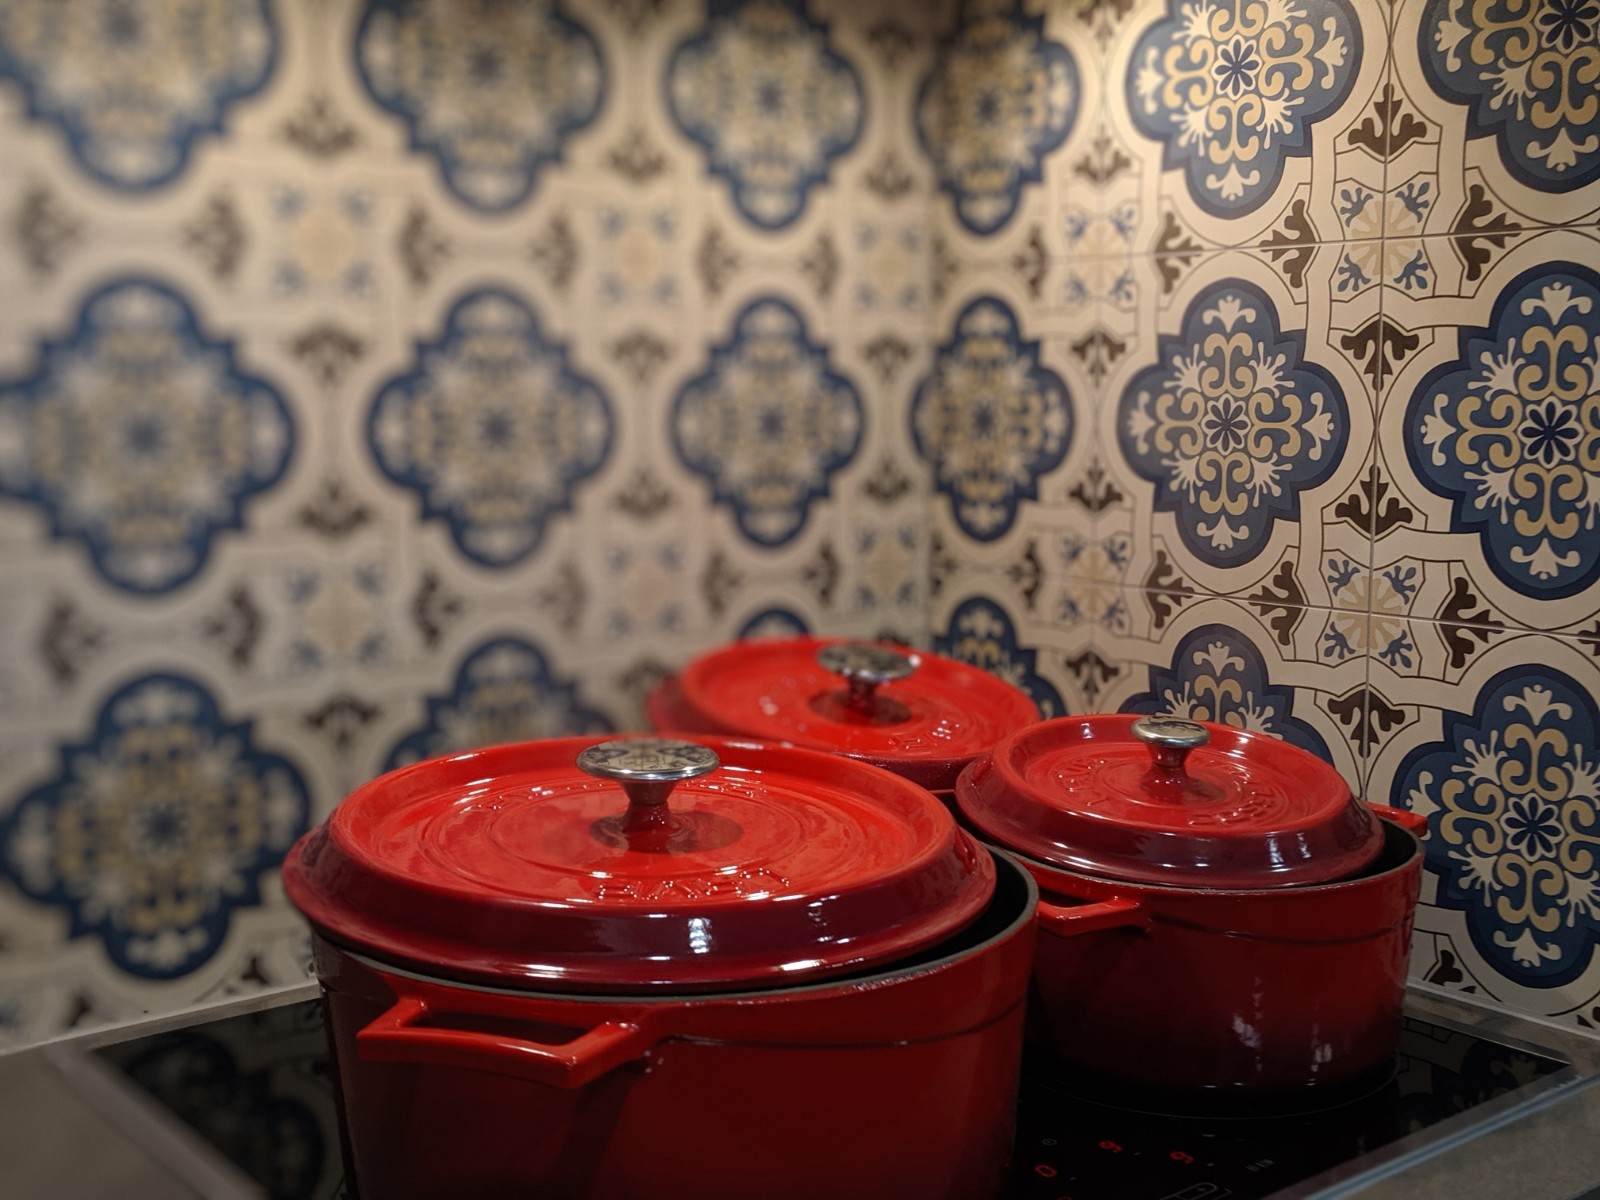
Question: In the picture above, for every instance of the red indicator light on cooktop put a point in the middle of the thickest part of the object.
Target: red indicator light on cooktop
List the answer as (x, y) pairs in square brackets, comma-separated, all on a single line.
[(1045, 1170), (1111, 1146), (1180, 1156)]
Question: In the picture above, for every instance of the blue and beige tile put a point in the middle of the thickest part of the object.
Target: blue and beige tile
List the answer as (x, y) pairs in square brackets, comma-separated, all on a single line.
[(1003, 418), (1507, 97), (1226, 661), (994, 621), (1236, 371), (82, 77), (1501, 763), (395, 595), (1241, 111), (1000, 101), (156, 825), (769, 101), (1481, 427)]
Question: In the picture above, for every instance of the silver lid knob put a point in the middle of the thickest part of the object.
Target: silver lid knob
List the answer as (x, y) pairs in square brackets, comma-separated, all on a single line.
[(653, 760), (648, 769), (870, 664), (1170, 739), (865, 666)]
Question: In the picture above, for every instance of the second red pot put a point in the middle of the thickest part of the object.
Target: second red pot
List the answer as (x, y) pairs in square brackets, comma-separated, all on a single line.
[(1185, 991)]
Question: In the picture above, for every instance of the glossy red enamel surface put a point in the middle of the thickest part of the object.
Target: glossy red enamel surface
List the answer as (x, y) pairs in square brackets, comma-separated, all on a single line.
[(1269, 991), (511, 865), (902, 1082), (1245, 811), (925, 727)]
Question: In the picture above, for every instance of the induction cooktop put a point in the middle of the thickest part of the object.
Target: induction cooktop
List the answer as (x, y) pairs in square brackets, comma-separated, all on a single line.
[(257, 1089)]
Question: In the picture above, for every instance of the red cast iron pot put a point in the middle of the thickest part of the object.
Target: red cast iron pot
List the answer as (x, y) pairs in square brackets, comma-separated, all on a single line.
[(1234, 924), (535, 988), (922, 716)]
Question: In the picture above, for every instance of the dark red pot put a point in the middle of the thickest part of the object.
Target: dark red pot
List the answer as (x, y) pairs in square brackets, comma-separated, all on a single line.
[(899, 1082), (1181, 990), (1186, 991)]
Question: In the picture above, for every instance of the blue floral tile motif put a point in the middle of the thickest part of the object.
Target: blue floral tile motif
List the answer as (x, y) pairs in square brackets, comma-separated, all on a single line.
[(140, 437), (1384, 242), (1527, 74), (157, 828), (493, 91), (1512, 797), (981, 633), (990, 419), (1000, 97), (1218, 675), (1232, 424), (1510, 431), (769, 422), (1371, 612), (134, 86), (772, 623), (323, 244), (770, 102), (504, 692), (492, 428), (1232, 89)]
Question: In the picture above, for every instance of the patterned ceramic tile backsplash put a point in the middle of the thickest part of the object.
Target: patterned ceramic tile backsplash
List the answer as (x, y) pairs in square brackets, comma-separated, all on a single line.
[(380, 378), (1309, 291)]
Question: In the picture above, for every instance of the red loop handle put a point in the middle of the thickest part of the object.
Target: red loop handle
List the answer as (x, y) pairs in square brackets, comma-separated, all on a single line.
[(1409, 821), (1066, 920), (396, 1036)]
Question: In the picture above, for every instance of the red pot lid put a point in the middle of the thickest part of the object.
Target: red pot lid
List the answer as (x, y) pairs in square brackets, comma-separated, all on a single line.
[(920, 715), (1156, 800), (566, 864)]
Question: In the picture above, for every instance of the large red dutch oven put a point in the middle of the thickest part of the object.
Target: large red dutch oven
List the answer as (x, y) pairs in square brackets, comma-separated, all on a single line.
[(923, 716), (796, 977), (1219, 915)]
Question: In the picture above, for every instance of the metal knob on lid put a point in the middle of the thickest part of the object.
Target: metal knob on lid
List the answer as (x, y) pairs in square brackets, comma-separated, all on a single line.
[(1170, 739), (1169, 802), (648, 769), (865, 668)]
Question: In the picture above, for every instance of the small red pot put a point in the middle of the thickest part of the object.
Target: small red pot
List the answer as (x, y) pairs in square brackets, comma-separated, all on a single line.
[(922, 716), (535, 986), (1184, 990)]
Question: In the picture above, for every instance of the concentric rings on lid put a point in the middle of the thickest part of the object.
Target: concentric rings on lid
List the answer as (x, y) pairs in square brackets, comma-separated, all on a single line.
[(681, 866), (1169, 802)]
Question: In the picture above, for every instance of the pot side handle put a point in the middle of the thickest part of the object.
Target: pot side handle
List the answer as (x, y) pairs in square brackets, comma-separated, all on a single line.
[(1066, 920), (1409, 821), (397, 1036)]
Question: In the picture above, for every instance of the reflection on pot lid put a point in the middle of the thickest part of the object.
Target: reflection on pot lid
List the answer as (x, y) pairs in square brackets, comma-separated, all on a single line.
[(639, 864), (1158, 800)]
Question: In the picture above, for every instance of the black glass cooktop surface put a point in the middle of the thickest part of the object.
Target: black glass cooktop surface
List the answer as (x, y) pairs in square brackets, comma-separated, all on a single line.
[(258, 1089)]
